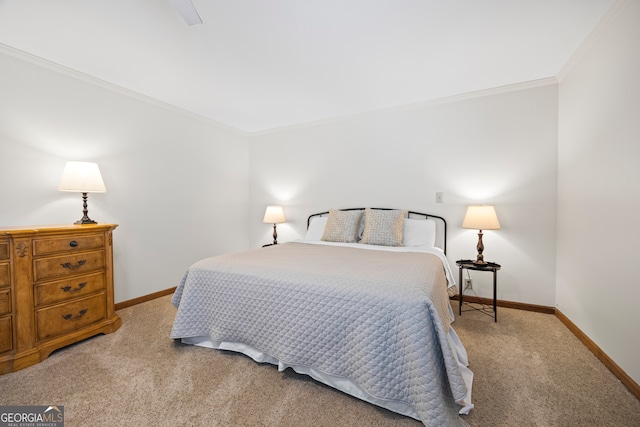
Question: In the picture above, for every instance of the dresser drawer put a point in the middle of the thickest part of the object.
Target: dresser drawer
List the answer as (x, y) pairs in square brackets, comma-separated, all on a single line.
[(62, 290), (56, 245), (5, 301), (60, 319), (68, 265), (4, 250), (5, 277), (6, 337)]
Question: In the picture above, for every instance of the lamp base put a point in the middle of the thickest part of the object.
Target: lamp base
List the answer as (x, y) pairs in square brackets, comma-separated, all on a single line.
[(85, 221), (85, 212), (480, 247)]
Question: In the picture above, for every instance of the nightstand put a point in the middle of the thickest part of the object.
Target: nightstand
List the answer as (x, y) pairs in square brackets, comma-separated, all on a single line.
[(470, 265)]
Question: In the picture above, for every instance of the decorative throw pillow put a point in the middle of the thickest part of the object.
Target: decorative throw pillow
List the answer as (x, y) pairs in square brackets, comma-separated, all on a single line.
[(342, 226), (383, 227)]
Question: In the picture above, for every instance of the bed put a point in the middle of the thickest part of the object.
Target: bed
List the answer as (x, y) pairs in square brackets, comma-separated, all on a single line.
[(360, 304)]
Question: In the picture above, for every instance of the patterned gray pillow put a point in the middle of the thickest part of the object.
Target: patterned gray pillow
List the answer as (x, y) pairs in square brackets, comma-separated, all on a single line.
[(342, 226), (383, 228)]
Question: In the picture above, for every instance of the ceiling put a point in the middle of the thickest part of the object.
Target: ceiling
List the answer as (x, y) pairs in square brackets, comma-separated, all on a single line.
[(262, 64)]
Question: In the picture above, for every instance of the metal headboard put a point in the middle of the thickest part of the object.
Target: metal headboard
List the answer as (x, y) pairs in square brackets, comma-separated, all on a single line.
[(409, 215)]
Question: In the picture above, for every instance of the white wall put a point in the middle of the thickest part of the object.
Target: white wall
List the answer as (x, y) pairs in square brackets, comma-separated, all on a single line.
[(176, 184), (183, 188), (599, 191), (496, 149)]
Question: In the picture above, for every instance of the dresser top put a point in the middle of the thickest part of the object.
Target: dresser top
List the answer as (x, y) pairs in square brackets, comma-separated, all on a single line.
[(33, 229)]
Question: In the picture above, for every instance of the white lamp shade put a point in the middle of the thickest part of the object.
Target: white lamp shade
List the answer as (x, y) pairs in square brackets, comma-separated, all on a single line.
[(274, 215), (82, 177), (481, 218)]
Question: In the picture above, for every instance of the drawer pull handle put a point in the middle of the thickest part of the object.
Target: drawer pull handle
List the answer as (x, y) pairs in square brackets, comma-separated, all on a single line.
[(72, 290), (74, 267), (71, 317), (73, 243)]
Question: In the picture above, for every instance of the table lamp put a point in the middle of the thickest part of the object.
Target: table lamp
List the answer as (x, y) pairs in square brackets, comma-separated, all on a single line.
[(481, 218), (82, 177), (274, 215)]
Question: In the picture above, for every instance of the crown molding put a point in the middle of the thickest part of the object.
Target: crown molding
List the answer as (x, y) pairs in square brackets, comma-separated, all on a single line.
[(417, 105), (70, 72), (36, 60)]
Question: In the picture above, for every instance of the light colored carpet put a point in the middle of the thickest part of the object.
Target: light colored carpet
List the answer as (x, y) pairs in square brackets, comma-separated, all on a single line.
[(529, 371)]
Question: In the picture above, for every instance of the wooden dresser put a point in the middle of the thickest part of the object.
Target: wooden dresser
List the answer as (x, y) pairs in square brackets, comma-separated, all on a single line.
[(56, 288)]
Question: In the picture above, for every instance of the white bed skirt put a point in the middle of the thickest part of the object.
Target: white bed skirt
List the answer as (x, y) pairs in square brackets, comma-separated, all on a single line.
[(340, 383)]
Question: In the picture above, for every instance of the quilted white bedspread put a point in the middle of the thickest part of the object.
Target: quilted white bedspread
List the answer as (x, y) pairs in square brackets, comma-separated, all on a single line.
[(377, 318)]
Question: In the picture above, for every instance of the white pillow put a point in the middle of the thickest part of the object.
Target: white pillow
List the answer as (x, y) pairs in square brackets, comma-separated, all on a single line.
[(419, 232), (316, 228)]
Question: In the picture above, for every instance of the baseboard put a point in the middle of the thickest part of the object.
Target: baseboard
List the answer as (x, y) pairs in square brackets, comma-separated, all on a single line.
[(144, 298), (625, 379), (508, 304)]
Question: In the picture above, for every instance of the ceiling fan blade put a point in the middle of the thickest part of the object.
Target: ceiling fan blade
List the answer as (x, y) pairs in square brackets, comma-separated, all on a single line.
[(187, 11)]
